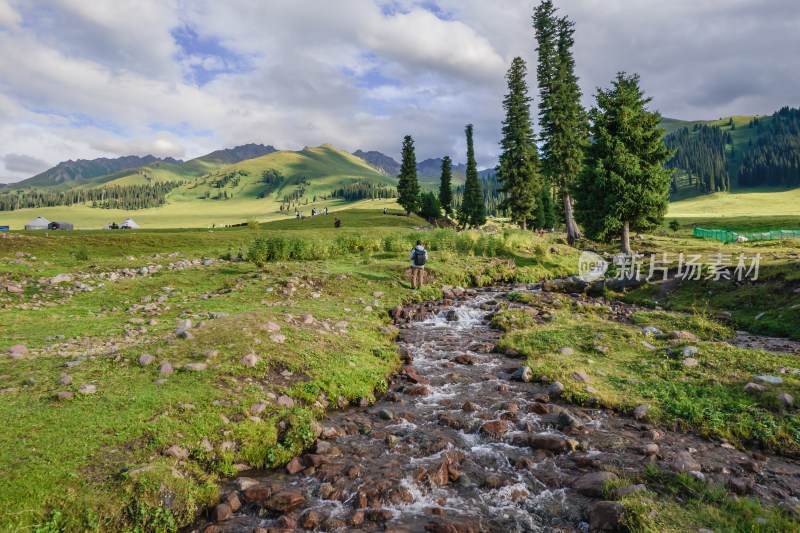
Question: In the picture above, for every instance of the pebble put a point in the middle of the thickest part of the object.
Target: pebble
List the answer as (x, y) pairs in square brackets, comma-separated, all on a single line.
[(250, 360), (555, 389), (689, 351), (773, 380), (285, 401), (580, 377), (145, 359), (640, 411), (785, 398), (87, 389)]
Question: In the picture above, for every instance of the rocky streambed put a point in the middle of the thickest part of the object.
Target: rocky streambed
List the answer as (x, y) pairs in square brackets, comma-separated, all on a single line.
[(457, 445)]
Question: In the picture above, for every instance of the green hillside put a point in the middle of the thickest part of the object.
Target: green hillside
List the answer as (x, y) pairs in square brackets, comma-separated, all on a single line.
[(227, 195), (719, 163)]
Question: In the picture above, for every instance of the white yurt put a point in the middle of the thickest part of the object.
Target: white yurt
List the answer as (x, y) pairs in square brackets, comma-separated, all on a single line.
[(129, 224), (38, 223)]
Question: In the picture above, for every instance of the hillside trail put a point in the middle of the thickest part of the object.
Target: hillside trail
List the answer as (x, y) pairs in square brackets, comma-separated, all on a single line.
[(457, 446)]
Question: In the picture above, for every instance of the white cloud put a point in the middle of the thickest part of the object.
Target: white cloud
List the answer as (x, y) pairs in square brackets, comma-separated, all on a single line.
[(9, 17), (157, 148), (24, 163), (87, 79)]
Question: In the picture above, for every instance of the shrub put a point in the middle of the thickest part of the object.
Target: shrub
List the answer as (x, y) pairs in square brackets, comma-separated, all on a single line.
[(81, 254)]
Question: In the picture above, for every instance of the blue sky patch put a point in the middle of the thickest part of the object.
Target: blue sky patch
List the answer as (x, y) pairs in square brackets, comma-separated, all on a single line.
[(207, 57)]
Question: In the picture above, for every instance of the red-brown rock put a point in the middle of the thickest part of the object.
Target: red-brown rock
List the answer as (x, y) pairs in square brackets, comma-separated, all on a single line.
[(284, 501), (221, 512), (554, 444), (232, 500), (440, 476), (294, 466), (257, 494), (495, 428)]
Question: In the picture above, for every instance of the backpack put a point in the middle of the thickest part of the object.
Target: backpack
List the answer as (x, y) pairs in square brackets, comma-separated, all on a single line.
[(419, 257)]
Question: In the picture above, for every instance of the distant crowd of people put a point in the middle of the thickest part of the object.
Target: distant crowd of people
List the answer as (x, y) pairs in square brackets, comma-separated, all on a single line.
[(314, 212)]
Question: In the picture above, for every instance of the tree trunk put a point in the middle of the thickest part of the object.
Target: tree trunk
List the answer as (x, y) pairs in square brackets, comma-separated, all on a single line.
[(524, 227), (626, 239), (573, 232)]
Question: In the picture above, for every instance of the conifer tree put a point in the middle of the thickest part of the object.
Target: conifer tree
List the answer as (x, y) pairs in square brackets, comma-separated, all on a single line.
[(430, 208), (562, 119), (624, 186), (445, 186), (407, 185), (473, 211), (544, 215), (518, 170)]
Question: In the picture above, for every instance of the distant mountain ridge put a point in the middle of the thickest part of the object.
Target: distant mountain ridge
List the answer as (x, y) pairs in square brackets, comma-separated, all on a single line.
[(383, 163), (429, 168), (229, 156), (89, 168)]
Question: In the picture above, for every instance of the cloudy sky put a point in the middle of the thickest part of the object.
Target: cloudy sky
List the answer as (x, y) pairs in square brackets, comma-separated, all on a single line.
[(181, 78)]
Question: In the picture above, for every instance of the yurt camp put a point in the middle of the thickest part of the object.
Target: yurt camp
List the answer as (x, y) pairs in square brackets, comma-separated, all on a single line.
[(128, 223), (60, 225), (38, 223)]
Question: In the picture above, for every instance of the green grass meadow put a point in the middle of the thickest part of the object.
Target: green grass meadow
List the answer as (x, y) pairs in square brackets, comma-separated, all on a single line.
[(96, 462)]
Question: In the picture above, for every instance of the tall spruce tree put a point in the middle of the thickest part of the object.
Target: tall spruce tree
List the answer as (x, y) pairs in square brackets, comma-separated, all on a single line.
[(446, 186), (473, 211), (407, 185), (518, 171), (624, 186), (544, 215), (562, 119)]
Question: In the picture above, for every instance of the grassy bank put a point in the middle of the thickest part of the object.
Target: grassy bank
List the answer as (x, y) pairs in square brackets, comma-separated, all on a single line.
[(706, 397), (316, 322), (766, 305)]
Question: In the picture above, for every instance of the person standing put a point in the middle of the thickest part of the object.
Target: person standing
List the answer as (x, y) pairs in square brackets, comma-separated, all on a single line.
[(419, 255)]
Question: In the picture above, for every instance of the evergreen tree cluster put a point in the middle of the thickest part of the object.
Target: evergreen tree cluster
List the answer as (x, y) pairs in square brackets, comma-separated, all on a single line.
[(362, 190), (272, 178), (231, 178), (127, 197), (430, 207), (775, 160), (702, 156)]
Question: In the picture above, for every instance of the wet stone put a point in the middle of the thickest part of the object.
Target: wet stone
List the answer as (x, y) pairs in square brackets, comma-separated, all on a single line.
[(495, 428), (593, 484)]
